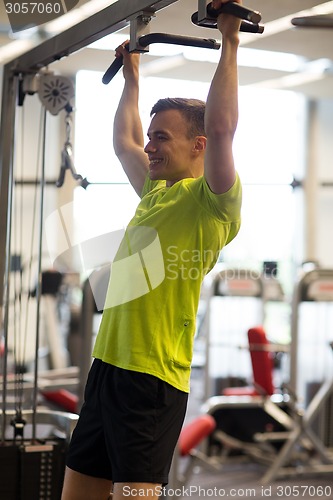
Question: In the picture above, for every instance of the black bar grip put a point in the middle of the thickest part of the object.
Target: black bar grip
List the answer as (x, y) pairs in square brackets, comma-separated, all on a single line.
[(212, 23), (246, 27), (114, 68), (188, 41), (236, 10), (145, 40)]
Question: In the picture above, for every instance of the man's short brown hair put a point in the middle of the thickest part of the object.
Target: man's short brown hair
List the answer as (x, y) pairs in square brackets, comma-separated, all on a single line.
[(193, 110)]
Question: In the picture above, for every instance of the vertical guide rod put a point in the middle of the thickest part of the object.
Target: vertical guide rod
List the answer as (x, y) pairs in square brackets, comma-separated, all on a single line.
[(39, 279), (9, 98)]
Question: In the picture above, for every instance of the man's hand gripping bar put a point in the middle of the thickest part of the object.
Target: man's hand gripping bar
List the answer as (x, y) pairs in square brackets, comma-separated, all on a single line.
[(251, 18)]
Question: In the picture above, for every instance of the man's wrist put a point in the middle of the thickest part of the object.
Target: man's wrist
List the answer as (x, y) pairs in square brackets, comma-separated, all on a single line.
[(231, 39), (132, 77)]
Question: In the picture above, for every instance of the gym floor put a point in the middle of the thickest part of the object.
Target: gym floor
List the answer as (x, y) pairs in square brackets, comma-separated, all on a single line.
[(243, 480)]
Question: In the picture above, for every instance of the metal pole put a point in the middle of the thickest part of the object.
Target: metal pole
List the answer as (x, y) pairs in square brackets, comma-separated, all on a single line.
[(293, 360), (9, 96), (39, 290), (6, 194), (311, 184)]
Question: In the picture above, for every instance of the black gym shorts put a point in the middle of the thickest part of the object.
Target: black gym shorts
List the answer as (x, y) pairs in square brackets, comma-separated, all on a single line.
[(128, 426)]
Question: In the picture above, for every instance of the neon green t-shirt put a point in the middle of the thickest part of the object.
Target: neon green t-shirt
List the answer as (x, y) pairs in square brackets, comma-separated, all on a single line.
[(173, 240)]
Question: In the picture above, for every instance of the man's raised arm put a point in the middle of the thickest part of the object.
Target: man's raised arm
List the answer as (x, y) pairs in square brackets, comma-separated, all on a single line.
[(221, 114), (128, 138)]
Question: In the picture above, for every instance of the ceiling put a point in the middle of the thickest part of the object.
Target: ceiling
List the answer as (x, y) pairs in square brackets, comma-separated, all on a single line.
[(311, 73)]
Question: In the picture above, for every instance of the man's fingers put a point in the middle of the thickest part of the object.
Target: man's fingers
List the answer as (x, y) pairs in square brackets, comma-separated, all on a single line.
[(121, 49)]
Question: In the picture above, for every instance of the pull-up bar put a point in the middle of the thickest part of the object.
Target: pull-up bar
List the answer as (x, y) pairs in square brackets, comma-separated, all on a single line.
[(145, 40), (205, 17)]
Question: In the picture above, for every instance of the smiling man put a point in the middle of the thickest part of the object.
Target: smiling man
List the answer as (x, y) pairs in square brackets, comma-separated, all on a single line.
[(137, 390)]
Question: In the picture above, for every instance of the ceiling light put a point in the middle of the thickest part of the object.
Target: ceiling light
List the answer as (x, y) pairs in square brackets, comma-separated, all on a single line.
[(284, 23), (312, 71), (14, 49), (252, 58), (267, 59), (289, 81)]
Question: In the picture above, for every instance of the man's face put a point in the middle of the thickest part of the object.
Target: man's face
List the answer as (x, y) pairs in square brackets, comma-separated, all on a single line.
[(169, 149)]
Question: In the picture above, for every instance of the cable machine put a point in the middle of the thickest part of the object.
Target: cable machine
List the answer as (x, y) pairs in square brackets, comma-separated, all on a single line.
[(34, 441)]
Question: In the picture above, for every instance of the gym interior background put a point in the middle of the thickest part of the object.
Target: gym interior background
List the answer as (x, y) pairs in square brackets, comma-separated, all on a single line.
[(283, 150)]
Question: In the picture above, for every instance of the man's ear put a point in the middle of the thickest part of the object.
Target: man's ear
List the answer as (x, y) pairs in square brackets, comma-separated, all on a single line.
[(200, 143)]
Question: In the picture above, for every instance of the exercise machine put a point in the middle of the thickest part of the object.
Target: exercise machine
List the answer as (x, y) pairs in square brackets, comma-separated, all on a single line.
[(34, 467), (227, 359), (311, 331), (289, 432), (311, 363), (270, 430), (192, 437), (34, 439)]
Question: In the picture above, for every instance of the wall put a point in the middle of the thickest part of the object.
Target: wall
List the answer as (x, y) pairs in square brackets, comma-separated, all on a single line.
[(324, 234), (319, 199)]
